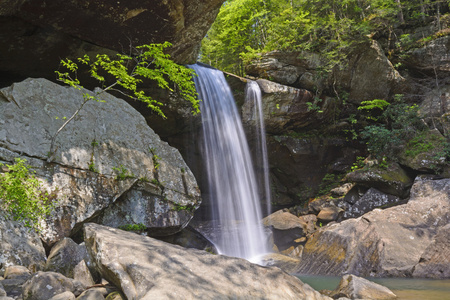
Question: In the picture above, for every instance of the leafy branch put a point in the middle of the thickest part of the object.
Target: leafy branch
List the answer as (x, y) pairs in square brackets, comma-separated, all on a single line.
[(128, 73)]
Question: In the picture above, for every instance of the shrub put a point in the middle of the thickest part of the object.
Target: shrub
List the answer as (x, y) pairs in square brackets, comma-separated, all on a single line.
[(21, 195)]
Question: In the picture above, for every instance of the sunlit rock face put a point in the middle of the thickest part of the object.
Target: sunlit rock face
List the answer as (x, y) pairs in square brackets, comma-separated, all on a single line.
[(106, 155), (394, 242), (39, 33)]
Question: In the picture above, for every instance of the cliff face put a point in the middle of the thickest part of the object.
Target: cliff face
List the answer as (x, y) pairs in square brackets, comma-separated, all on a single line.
[(39, 33)]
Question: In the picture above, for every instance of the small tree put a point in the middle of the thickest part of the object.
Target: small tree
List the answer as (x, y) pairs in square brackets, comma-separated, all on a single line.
[(127, 73)]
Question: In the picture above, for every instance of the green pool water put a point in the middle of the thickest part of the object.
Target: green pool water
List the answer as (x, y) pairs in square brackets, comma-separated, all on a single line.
[(404, 288)]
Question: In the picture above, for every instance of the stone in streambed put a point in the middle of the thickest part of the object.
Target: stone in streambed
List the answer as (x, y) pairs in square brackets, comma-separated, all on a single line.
[(355, 287)]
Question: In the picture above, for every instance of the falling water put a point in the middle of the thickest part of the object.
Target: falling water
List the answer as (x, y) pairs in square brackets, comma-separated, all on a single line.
[(254, 98), (231, 177)]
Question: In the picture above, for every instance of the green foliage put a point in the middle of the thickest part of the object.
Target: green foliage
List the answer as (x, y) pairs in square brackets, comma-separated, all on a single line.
[(21, 195), (133, 227), (122, 173), (129, 71), (329, 181), (314, 106), (125, 74), (245, 28), (359, 164), (374, 108), (178, 207), (155, 158), (92, 167), (400, 122)]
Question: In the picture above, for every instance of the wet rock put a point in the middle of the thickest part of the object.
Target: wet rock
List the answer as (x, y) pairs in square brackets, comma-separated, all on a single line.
[(285, 108), (381, 243), (393, 180), (144, 268), (435, 260), (355, 287), (96, 158)]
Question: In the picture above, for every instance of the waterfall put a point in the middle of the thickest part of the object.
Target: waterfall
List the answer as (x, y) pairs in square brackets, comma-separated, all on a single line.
[(253, 97), (231, 177)]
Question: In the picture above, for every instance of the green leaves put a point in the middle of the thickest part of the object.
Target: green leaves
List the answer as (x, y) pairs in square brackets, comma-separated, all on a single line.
[(22, 197), (126, 74)]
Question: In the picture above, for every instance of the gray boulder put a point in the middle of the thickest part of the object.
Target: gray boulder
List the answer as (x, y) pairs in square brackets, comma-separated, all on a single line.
[(372, 199), (145, 268), (389, 242), (65, 256), (64, 296), (285, 108), (105, 143), (45, 285), (355, 287), (391, 180), (19, 246)]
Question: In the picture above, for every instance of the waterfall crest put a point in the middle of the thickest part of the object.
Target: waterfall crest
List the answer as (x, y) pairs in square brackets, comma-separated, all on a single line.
[(236, 206)]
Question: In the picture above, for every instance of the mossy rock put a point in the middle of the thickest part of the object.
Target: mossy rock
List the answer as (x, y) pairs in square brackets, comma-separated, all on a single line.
[(426, 152), (392, 180)]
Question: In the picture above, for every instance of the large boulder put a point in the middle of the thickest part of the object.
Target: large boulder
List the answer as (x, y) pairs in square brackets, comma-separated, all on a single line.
[(435, 260), (145, 268), (287, 108), (392, 180), (289, 68), (105, 154), (19, 246), (286, 228), (390, 242), (59, 29), (369, 75), (431, 59)]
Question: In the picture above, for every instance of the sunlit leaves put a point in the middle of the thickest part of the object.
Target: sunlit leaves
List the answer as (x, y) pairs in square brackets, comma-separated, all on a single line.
[(126, 74)]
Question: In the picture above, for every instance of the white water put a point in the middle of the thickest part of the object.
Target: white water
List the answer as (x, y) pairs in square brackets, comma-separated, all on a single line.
[(254, 96), (231, 177)]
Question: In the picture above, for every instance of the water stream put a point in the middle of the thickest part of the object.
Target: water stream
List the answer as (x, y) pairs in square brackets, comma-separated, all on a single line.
[(253, 97), (236, 211), (404, 288)]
